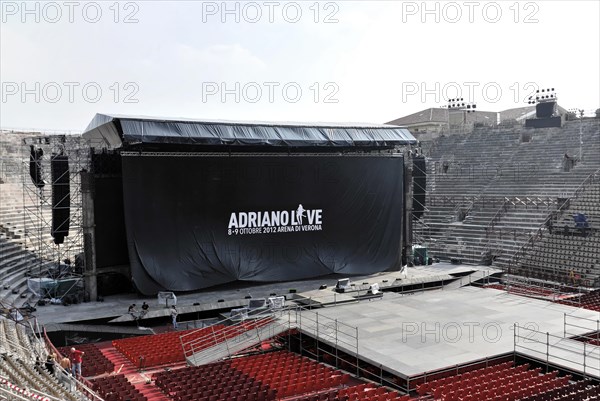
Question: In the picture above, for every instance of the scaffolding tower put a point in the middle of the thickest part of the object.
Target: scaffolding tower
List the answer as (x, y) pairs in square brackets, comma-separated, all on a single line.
[(52, 213)]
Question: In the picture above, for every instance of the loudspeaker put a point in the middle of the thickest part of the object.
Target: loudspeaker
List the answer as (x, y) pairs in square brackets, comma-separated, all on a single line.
[(544, 110), (550, 122), (419, 185), (61, 197), (35, 166)]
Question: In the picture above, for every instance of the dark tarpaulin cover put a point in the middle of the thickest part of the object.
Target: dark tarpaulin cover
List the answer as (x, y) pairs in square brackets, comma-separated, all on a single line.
[(119, 131), (188, 227)]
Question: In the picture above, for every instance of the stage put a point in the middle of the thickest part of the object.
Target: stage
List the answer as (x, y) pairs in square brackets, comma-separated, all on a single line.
[(407, 333), (234, 295), (413, 334)]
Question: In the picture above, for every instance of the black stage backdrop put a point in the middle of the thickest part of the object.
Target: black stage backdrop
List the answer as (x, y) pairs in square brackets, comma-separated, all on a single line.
[(195, 222), (111, 242)]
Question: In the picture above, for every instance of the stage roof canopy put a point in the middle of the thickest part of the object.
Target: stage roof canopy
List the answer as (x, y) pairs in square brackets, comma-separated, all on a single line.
[(117, 131)]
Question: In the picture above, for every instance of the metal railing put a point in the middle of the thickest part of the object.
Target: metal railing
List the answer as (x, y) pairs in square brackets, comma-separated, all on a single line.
[(34, 379), (543, 289), (413, 381), (589, 327), (497, 216), (233, 337), (327, 330), (502, 210), (516, 201), (590, 179), (338, 344), (83, 385), (558, 351)]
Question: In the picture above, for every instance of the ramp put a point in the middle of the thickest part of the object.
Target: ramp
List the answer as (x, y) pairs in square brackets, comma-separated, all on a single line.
[(477, 275), (230, 340)]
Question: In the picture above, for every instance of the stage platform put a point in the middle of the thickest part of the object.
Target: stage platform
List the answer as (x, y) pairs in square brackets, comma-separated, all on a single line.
[(408, 333), (114, 308), (415, 279), (426, 331)]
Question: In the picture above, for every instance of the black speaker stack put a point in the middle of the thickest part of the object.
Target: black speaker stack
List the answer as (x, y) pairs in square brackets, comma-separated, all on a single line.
[(545, 110), (61, 197), (35, 166)]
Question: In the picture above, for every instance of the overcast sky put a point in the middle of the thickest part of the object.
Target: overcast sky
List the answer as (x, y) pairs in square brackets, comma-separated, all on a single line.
[(339, 61)]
